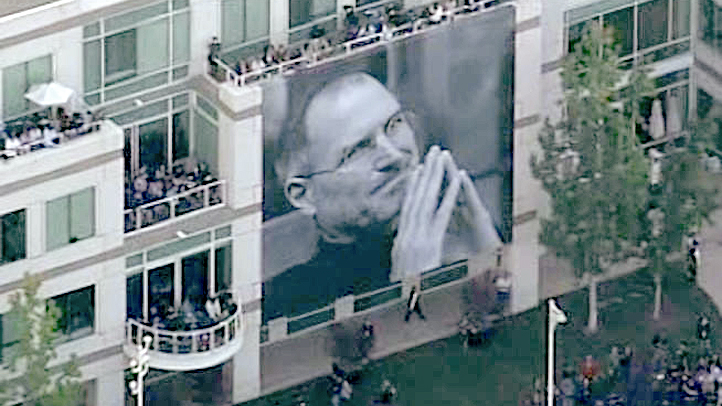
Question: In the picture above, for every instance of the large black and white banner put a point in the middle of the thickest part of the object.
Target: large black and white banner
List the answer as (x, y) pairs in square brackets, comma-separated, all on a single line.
[(386, 164)]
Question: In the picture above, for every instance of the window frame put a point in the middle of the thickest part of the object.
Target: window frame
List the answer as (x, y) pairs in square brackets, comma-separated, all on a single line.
[(172, 65), (637, 55), (64, 336), (24, 236), (176, 260), (72, 239), (30, 107)]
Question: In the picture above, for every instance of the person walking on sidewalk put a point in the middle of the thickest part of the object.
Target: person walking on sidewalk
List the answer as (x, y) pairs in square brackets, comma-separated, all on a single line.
[(413, 304)]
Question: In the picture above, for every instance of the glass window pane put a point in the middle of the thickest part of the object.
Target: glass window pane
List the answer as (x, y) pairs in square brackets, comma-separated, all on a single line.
[(257, 26), (180, 4), (322, 8), (91, 30), (153, 144), (149, 110), (178, 246), (134, 17), (181, 135), (14, 88), (139, 85), (652, 23), (120, 56), (232, 22), (152, 46), (207, 107), (58, 225), (574, 35), (623, 23), (181, 38), (82, 214), (82, 312), (40, 70), (160, 291), (91, 66), (195, 279), (706, 20), (205, 135), (128, 154), (13, 236), (680, 18), (300, 12), (181, 100), (134, 297), (223, 267)]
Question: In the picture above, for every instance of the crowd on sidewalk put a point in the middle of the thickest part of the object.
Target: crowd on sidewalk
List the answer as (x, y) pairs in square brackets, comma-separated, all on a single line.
[(657, 375)]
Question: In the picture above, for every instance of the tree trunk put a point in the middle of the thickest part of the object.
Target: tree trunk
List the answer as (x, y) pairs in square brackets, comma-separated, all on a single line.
[(592, 326), (657, 296)]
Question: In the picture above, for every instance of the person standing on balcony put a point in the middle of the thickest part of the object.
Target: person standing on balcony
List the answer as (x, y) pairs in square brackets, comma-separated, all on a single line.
[(214, 53)]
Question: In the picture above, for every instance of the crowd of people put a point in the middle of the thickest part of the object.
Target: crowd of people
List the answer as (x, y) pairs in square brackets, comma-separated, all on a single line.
[(388, 19), (40, 131), (657, 375), (151, 185)]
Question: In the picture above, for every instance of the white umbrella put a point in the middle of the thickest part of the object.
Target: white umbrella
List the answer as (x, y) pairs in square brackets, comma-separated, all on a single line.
[(49, 94)]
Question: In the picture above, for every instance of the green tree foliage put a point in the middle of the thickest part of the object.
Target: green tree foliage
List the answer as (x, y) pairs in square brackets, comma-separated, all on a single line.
[(35, 323), (595, 177)]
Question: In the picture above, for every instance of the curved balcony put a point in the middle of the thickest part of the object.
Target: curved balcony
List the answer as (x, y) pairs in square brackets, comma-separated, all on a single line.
[(174, 350)]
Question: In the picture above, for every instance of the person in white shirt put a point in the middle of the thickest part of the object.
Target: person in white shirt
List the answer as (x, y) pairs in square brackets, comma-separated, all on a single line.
[(436, 13), (213, 307)]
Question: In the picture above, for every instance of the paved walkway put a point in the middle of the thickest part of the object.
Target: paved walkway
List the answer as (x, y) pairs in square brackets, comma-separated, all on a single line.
[(308, 356), (299, 359)]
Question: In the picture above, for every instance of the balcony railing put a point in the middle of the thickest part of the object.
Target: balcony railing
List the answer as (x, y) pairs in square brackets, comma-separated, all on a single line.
[(346, 48), (194, 200), (188, 350)]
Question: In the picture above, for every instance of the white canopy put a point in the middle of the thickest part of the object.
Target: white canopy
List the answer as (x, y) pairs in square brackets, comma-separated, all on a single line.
[(49, 94)]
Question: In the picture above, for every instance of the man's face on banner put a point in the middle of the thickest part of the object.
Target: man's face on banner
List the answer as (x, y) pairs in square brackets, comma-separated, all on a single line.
[(362, 152)]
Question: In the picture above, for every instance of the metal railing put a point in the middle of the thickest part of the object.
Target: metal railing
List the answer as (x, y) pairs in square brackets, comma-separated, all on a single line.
[(168, 208), (346, 48), (187, 342), (386, 296)]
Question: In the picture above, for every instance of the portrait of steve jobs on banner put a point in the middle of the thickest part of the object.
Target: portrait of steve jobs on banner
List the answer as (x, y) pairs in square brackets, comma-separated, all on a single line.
[(382, 166)]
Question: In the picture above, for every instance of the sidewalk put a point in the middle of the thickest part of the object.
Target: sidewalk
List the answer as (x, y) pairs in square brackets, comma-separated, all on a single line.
[(297, 360)]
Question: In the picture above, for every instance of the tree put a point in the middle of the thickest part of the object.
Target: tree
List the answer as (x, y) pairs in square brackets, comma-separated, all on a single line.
[(686, 199), (35, 323), (589, 164)]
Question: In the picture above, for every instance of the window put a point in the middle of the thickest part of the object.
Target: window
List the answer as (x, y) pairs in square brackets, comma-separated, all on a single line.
[(18, 79), (705, 103), (198, 272), (12, 230), (305, 11), (649, 20), (148, 44), (70, 218), (77, 313), (9, 335), (224, 268), (243, 21), (652, 23), (710, 24)]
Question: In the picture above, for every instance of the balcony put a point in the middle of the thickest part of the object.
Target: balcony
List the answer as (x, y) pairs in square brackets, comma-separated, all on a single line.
[(98, 140), (189, 188), (188, 349)]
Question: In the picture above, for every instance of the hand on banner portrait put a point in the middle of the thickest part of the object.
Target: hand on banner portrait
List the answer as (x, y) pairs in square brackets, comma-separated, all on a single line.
[(476, 217), (423, 220)]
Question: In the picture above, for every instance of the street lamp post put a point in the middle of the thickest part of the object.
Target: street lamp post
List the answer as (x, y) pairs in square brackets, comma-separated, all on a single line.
[(139, 366), (556, 316)]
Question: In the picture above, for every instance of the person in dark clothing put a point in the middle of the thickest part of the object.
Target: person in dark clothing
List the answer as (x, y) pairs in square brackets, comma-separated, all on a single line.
[(214, 52), (382, 216), (413, 305)]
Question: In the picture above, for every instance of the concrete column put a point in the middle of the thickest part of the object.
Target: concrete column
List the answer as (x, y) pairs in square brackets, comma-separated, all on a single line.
[(34, 229), (523, 263), (110, 388), (241, 145), (278, 25), (205, 24), (247, 361), (111, 321)]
